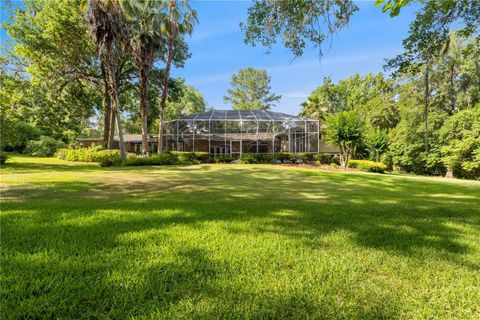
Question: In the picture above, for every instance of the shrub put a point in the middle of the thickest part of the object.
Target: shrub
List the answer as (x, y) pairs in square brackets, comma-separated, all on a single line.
[(255, 158), (43, 147), (92, 154), (16, 134), (336, 160), (115, 161), (157, 160), (323, 158), (284, 156), (185, 157), (191, 157), (3, 157), (367, 165), (203, 157), (304, 156), (222, 159)]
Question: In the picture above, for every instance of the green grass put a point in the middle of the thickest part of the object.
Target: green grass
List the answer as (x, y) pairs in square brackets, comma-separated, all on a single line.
[(235, 241)]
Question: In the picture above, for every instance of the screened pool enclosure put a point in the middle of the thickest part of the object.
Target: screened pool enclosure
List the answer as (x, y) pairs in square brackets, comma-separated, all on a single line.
[(233, 132)]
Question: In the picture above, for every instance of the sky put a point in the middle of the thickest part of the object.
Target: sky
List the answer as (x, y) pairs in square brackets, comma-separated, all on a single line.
[(218, 51)]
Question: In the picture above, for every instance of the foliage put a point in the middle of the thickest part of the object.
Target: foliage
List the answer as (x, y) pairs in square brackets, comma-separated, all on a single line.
[(313, 108), (251, 90), (284, 156), (189, 101), (201, 156), (323, 158), (376, 142), (222, 159), (345, 130), (156, 160), (296, 25), (304, 156), (3, 157), (55, 82), (43, 147), (460, 137), (371, 96), (92, 154), (255, 158), (16, 134), (430, 33), (367, 165), (113, 160)]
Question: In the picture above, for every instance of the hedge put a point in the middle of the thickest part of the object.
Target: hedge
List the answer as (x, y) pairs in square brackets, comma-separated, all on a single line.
[(191, 157), (323, 158), (255, 158), (367, 165), (94, 154), (43, 147), (222, 159), (168, 158), (3, 157)]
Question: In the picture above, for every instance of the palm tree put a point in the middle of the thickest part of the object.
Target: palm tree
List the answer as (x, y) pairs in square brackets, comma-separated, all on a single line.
[(106, 25), (146, 42), (314, 108), (178, 22)]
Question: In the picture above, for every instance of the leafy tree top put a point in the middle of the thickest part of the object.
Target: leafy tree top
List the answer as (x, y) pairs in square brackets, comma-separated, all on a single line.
[(295, 23), (251, 90)]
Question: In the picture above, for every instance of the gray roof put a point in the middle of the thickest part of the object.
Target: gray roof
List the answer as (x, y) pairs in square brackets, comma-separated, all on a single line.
[(242, 115)]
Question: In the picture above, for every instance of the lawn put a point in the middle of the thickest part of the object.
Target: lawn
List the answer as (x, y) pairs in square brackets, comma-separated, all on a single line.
[(235, 241)]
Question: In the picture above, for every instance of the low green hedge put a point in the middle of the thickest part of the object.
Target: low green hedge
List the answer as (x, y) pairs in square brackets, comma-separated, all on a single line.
[(168, 158), (323, 158), (367, 165), (255, 158), (94, 154), (191, 157), (304, 156), (156, 160), (3, 157), (222, 159)]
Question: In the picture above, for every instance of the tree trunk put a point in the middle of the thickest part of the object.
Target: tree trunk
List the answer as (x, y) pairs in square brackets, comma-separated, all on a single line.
[(116, 108), (163, 101), (107, 106), (144, 109), (425, 110), (111, 135), (116, 111)]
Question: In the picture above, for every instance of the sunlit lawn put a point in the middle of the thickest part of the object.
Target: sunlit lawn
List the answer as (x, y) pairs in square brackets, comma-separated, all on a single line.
[(235, 241)]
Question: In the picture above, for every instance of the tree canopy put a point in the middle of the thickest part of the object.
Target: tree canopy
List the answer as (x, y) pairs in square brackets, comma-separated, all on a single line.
[(251, 90)]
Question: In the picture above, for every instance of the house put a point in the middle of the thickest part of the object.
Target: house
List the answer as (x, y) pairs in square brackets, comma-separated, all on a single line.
[(233, 132)]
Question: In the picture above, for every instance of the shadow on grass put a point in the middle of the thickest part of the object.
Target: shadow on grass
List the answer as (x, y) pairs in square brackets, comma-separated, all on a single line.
[(66, 240)]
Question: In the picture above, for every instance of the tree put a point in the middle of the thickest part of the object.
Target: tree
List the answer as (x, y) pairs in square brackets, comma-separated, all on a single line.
[(55, 66), (376, 142), (297, 23), (181, 19), (251, 90), (460, 137), (106, 24), (314, 108), (345, 130), (146, 42), (188, 102)]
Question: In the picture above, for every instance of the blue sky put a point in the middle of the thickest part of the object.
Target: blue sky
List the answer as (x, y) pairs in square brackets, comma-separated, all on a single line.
[(218, 51)]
